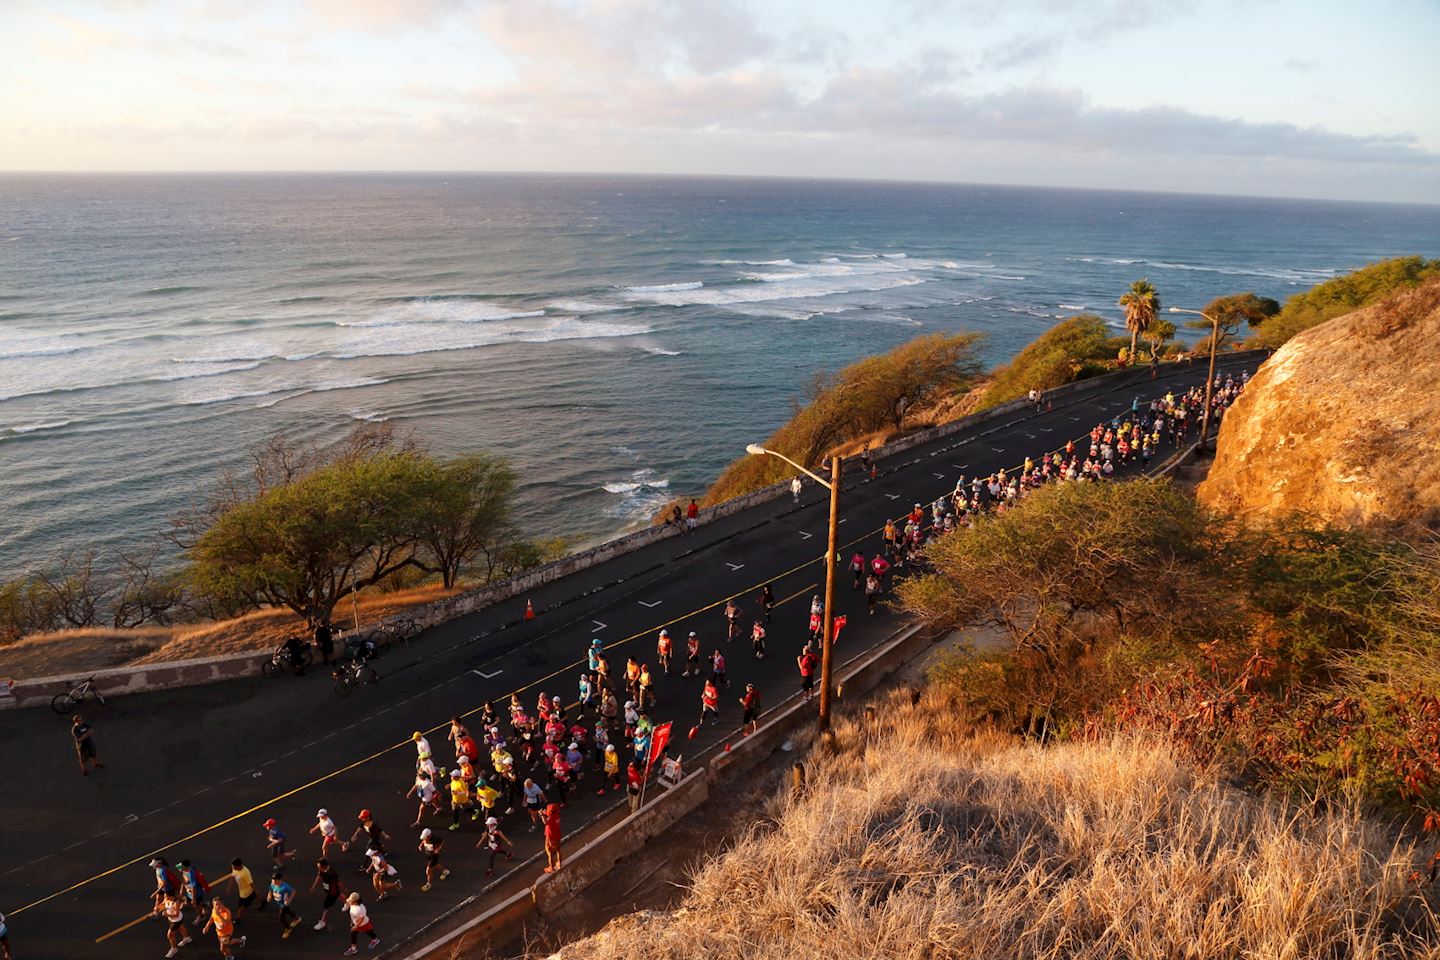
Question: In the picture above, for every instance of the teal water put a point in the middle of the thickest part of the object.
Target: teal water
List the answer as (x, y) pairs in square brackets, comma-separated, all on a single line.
[(620, 339)]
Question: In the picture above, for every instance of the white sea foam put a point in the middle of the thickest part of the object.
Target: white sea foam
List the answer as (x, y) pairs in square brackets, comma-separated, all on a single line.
[(583, 306), (1071, 306), (666, 287), (661, 351), (409, 339), (639, 480), (34, 427)]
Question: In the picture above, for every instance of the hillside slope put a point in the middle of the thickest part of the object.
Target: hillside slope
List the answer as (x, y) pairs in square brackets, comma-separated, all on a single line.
[(1342, 422)]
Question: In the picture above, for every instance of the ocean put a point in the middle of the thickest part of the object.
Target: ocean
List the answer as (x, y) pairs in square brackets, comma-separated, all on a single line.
[(620, 339)]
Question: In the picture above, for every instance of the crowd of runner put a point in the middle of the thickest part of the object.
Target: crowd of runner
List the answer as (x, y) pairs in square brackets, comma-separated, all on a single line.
[(519, 765)]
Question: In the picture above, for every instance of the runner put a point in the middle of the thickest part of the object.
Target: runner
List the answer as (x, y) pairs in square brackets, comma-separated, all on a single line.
[(487, 796), (375, 836), (551, 817), (710, 703), (84, 736), (647, 687), (534, 802), (872, 591), (327, 878), (662, 650), (795, 487), (717, 669), (431, 845), (197, 890), (327, 830), (692, 516), (383, 875), (751, 703), (460, 799), (692, 655), (495, 841), (167, 882), (767, 601), (426, 794), (732, 620), (244, 887), (757, 639), (275, 842), (224, 924), (807, 661), (610, 767), (857, 569), (172, 908), (4, 940), (585, 693), (422, 746), (282, 894), (359, 923)]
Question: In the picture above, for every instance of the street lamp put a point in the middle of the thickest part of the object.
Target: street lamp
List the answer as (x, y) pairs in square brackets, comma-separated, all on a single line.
[(1210, 377), (833, 485)]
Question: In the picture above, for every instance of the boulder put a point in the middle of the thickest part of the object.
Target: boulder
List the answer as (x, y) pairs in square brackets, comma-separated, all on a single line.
[(1342, 423)]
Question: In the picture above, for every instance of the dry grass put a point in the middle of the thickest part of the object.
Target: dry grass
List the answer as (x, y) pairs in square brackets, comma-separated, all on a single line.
[(927, 841), (78, 651)]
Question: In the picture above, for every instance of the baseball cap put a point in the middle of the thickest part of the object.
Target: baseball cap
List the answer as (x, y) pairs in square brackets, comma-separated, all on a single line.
[(491, 821), (364, 815), (156, 862), (322, 812), (425, 834), (353, 898), (417, 735), (269, 823)]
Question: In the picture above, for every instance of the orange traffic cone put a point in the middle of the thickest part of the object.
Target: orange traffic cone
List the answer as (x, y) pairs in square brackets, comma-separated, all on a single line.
[(529, 610)]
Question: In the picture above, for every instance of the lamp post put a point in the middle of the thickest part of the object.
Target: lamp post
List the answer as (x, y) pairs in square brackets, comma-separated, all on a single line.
[(1209, 377), (827, 636)]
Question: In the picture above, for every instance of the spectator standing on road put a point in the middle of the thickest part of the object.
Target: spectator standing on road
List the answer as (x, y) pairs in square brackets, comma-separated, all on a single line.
[(325, 640), (795, 488), (84, 736), (692, 516), (807, 662), (359, 923), (551, 817), (751, 704), (634, 783)]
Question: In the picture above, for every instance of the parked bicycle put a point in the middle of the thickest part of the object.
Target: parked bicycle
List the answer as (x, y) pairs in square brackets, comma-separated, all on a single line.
[(79, 691), (399, 630), (355, 673), (295, 653)]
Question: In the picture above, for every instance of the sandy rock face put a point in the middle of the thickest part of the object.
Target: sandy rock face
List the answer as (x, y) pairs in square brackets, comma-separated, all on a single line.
[(1343, 422)]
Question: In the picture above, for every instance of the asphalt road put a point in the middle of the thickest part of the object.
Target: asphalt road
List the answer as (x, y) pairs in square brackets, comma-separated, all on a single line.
[(193, 773)]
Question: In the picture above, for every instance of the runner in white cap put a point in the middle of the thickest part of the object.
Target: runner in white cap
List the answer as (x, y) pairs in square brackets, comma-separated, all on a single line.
[(326, 828)]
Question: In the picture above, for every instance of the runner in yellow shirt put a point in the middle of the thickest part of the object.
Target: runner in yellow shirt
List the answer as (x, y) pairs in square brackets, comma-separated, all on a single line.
[(244, 886), (459, 798)]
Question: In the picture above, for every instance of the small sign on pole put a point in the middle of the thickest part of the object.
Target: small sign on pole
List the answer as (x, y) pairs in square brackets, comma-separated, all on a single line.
[(670, 772)]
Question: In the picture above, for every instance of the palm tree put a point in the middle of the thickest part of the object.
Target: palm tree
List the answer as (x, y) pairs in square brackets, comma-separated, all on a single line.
[(1142, 306)]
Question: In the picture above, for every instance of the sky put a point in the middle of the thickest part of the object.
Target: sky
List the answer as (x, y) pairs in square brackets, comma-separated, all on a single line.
[(1312, 98)]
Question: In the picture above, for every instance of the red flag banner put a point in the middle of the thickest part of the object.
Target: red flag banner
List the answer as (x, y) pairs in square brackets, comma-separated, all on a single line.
[(838, 622), (659, 740)]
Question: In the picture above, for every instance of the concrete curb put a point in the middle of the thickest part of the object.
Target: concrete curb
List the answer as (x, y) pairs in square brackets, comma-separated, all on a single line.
[(117, 681)]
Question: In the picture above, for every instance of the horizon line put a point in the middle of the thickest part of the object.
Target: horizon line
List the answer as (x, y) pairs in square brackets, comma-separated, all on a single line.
[(706, 176)]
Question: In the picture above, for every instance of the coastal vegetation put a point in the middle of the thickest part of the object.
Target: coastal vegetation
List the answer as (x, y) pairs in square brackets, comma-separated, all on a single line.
[(1073, 349), (1354, 290), (1141, 304), (1301, 654), (920, 836), (301, 529), (871, 394)]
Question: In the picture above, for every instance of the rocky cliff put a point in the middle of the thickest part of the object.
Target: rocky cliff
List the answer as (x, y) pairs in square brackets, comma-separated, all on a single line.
[(1343, 422)]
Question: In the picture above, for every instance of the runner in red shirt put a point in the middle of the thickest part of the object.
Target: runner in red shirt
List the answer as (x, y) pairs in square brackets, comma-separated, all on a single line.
[(710, 703)]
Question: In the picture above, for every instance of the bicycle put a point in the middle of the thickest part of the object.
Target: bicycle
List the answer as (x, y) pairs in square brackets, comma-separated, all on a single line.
[(399, 630), (79, 691), (299, 658), (356, 673)]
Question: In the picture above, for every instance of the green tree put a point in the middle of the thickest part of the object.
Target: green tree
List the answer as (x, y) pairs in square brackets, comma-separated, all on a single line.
[(1354, 290), (1157, 335), (1073, 562), (1066, 352), (1229, 313), (462, 511), (305, 543), (1142, 307)]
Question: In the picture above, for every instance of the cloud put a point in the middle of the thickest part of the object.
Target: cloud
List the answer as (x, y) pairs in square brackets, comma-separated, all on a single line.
[(383, 14)]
